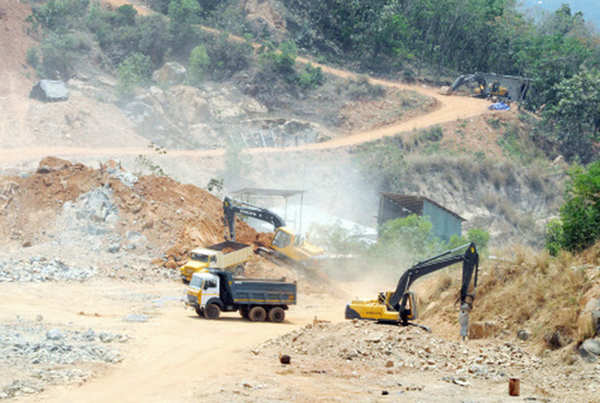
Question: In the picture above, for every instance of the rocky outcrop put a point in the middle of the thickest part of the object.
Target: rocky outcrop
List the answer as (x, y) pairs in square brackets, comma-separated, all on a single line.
[(170, 73)]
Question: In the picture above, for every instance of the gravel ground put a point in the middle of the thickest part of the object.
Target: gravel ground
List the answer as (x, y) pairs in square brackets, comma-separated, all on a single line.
[(344, 348), (35, 354)]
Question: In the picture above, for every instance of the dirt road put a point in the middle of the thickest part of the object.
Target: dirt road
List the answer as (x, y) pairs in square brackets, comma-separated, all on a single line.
[(169, 355), (450, 108)]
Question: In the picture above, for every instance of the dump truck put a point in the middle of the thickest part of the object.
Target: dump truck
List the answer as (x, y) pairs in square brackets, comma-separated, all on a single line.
[(226, 255), (213, 291)]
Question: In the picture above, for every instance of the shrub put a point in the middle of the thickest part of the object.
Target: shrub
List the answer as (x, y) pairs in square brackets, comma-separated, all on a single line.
[(311, 77), (337, 239), (408, 237), (554, 237), (59, 54), (198, 64), (134, 70), (479, 236), (361, 88), (58, 15), (281, 61), (227, 57), (121, 33)]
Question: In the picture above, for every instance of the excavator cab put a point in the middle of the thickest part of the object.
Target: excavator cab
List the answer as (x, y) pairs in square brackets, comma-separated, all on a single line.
[(292, 246)]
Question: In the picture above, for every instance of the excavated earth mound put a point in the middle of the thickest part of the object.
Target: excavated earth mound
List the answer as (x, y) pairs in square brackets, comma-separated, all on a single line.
[(69, 202)]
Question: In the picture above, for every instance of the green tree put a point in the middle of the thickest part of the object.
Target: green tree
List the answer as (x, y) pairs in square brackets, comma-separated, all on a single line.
[(337, 239), (198, 64), (226, 57), (574, 116), (58, 15), (479, 236), (403, 238), (182, 15), (580, 214), (134, 70)]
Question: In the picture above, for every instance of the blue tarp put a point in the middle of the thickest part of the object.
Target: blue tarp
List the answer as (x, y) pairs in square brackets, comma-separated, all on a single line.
[(499, 106)]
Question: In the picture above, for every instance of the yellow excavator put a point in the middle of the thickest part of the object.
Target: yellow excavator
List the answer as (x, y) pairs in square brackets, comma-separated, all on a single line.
[(400, 306), (285, 243), (486, 86)]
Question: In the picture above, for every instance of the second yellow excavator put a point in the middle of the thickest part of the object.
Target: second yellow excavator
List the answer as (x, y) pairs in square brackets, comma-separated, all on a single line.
[(400, 306), (285, 243)]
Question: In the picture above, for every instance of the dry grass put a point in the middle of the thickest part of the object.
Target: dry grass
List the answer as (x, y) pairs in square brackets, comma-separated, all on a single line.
[(531, 289), (534, 290)]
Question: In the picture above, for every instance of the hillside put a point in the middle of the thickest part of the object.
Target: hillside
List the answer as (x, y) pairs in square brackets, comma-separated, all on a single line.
[(174, 104)]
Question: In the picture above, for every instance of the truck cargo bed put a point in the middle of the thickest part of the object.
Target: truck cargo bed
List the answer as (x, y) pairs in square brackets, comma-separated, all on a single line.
[(228, 245), (263, 292)]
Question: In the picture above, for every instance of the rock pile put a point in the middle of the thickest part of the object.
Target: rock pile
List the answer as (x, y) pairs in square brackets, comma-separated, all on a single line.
[(38, 269), (33, 352), (349, 348), (409, 347)]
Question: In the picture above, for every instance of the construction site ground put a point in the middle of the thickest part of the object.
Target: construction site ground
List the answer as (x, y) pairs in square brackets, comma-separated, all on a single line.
[(177, 357), (89, 247)]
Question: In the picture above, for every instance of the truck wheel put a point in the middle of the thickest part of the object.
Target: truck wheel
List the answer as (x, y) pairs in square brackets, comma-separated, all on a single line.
[(199, 311), (276, 314), (257, 314), (244, 312), (212, 311)]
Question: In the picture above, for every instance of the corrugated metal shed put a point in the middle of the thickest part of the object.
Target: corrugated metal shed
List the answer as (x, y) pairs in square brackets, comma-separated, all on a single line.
[(444, 221)]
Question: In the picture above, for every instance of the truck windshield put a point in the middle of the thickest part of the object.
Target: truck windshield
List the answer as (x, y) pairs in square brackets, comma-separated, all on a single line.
[(199, 257), (196, 282)]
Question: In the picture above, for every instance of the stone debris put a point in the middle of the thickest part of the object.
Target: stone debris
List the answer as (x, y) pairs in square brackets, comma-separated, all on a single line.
[(89, 221), (134, 317), (590, 349), (523, 334), (42, 356), (39, 269), (409, 347)]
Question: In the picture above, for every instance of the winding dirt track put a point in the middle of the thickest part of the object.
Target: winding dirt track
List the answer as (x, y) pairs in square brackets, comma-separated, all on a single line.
[(450, 108)]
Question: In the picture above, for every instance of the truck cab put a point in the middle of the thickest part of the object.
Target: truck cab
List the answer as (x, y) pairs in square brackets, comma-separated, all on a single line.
[(213, 291), (203, 289), (225, 256), (200, 259)]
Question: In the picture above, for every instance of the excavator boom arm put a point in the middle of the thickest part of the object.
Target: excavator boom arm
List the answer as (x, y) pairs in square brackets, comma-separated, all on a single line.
[(232, 207), (470, 259)]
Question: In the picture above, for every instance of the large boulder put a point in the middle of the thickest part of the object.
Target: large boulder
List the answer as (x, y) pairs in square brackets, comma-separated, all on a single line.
[(222, 108), (588, 322), (590, 349), (187, 105), (170, 73), (50, 91)]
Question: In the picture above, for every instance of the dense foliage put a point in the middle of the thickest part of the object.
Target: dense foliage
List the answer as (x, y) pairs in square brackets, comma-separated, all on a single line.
[(579, 225)]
